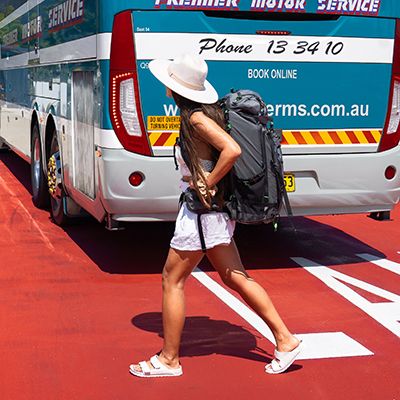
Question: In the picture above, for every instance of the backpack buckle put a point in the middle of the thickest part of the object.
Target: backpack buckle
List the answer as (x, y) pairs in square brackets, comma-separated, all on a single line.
[(263, 119)]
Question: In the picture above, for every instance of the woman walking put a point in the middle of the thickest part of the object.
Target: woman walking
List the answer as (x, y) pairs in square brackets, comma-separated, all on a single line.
[(212, 153)]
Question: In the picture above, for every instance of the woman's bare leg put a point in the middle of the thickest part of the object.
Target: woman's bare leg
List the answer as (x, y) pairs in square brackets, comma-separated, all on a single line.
[(177, 269), (226, 261)]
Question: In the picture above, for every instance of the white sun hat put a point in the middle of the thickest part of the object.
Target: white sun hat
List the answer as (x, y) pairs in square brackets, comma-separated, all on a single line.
[(185, 75)]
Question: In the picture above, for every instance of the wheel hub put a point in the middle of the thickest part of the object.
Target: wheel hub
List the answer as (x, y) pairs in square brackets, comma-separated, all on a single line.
[(54, 176)]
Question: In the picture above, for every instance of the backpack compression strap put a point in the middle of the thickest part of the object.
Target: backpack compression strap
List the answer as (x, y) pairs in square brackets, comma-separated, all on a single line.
[(201, 234), (287, 203), (199, 225), (175, 159)]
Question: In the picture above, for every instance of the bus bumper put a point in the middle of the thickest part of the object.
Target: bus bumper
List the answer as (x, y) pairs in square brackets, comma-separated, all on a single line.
[(155, 199), (343, 183), (325, 184)]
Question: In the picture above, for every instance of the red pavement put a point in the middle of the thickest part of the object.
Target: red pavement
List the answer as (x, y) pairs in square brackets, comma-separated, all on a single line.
[(77, 306)]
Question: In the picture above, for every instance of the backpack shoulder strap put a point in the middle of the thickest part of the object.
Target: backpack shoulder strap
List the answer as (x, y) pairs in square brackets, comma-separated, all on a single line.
[(193, 110)]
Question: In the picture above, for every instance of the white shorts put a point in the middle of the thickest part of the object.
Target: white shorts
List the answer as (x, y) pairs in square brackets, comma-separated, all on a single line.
[(217, 229)]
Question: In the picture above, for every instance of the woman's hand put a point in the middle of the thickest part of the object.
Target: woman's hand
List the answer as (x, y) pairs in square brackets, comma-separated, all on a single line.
[(202, 187)]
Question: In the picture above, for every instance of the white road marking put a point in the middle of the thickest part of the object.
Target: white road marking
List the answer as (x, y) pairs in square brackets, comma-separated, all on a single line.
[(316, 345), (386, 314), (45, 239), (331, 345), (381, 262)]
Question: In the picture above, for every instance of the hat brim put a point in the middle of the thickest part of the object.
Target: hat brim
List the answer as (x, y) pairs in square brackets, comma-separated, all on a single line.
[(159, 68)]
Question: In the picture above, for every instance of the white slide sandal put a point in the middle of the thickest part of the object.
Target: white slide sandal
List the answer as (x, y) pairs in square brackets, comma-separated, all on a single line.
[(283, 360), (159, 370)]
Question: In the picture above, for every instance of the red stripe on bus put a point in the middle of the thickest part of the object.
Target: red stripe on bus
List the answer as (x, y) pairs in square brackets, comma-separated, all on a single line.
[(352, 136), (369, 136), (299, 137), (334, 136), (284, 141), (317, 137), (162, 139)]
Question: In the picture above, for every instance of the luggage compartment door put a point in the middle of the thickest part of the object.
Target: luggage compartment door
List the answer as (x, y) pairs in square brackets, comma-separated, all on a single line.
[(83, 132)]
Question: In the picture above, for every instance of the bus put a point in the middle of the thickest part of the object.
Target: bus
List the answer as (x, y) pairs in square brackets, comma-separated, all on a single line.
[(78, 102)]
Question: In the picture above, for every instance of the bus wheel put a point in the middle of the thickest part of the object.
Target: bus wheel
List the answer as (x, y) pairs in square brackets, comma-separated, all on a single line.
[(40, 194), (56, 190)]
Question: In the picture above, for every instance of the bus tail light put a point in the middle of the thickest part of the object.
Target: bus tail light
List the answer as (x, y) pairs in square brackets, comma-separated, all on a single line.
[(128, 108), (125, 106), (391, 133)]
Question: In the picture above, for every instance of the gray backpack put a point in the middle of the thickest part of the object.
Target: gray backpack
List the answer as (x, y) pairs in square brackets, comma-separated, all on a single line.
[(256, 187)]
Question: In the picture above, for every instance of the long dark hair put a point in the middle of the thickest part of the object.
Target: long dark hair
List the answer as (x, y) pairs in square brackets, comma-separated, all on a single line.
[(189, 135)]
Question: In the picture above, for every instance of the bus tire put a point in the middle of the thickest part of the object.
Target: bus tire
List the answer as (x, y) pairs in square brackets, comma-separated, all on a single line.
[(40, 191), (57, 212)]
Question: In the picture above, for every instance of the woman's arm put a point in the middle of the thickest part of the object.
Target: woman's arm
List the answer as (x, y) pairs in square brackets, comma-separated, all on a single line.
[(210, 132)]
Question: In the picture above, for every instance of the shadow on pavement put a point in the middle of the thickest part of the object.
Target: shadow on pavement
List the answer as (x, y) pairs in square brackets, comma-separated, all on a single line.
[(203, 336), (143, 246)]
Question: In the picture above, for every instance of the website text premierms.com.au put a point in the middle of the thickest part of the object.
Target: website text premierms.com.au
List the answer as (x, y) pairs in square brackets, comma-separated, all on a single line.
[(318, 110), (302, 110)]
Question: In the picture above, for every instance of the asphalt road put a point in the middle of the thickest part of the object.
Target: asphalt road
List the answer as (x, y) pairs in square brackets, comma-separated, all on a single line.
[(78, 305)]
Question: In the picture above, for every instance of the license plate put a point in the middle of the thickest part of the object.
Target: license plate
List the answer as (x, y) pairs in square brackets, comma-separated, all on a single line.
[(289, 182)]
